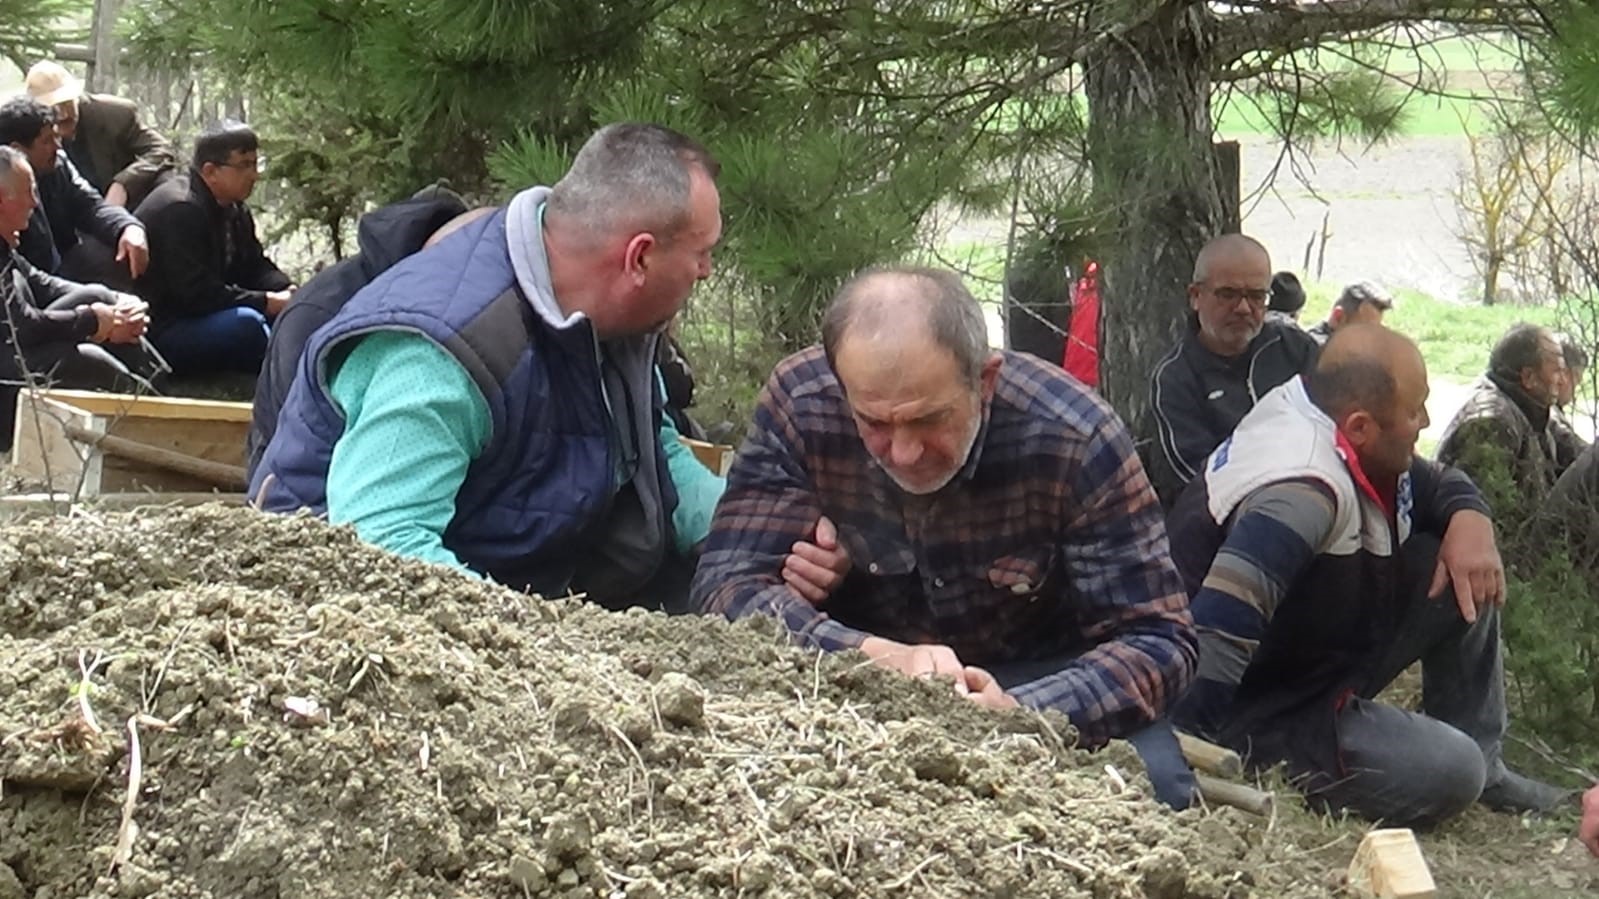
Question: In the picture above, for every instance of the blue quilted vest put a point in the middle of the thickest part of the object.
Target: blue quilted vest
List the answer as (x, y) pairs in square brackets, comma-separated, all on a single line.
[(541, 490)]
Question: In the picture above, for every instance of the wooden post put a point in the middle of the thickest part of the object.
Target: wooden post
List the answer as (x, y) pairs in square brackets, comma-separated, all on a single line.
[(1230, 185)]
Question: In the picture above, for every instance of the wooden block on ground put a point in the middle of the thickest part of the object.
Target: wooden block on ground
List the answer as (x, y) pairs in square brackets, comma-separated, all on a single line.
[(1389, 865), (46, 457)]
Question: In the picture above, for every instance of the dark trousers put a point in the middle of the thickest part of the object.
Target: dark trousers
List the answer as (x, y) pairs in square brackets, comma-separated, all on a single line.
[(228, 340), (93, 262), (1403, 767)]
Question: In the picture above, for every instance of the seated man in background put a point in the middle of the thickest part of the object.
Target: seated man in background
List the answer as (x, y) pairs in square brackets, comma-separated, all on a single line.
[(103, 136), (1568, 518), (1324, 558), (1001, 528), (490, 403), (73, 229), (1360, 303), (1506, 420), (1287, 299), (211, 288), (1568, 443), (385, 236), (52, 330), (1230, 357)]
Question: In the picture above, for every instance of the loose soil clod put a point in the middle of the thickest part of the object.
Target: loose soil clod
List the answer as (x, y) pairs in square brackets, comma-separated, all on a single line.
[(447, 737)]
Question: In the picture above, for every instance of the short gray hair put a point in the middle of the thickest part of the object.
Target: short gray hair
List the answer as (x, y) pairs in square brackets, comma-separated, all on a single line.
[(1226, 244), (11, 161), (952, 315), (1363, 293), (1521, 348), (632, 174)]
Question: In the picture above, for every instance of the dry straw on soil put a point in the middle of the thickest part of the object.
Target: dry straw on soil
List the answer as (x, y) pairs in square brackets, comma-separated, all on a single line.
[(318, 719)]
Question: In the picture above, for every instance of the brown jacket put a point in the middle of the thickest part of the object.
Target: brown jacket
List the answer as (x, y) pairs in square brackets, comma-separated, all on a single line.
[(1500, 415), (113, 146)]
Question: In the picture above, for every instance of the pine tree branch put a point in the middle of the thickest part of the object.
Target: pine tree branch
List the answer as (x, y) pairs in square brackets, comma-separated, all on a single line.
[(1275, 26)]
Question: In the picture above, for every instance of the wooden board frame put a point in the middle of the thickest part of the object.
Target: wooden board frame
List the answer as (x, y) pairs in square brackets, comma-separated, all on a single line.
[(44, 456)]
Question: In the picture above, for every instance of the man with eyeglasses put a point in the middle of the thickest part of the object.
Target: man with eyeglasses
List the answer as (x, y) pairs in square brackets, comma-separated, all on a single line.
[(73, 229), (212, 290), (1229, 358)]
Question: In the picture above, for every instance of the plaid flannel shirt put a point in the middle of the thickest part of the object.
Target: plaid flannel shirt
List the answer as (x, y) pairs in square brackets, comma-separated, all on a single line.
[(1048, 544)]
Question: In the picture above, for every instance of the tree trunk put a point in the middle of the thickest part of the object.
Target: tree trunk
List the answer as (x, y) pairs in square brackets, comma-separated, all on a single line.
[(1154, 168)]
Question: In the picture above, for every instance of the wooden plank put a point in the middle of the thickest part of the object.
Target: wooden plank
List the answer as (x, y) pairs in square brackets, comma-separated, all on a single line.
[(1206, 756), (42, 454), (715, 456), (205, 429), (121, 404), (1389, 865), (230, 477), (1224, 792)]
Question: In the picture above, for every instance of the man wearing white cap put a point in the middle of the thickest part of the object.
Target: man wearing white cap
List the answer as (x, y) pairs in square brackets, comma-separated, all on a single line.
[(103, 136)]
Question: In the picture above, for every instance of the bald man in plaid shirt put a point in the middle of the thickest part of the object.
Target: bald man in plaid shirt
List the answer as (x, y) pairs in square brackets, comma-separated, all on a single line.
[(1002, 530)]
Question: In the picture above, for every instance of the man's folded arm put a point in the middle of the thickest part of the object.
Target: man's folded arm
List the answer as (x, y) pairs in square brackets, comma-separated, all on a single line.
[(769, 505)]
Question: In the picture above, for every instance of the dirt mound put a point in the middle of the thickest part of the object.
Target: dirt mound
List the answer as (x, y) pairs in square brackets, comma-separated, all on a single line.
[(320, 719)]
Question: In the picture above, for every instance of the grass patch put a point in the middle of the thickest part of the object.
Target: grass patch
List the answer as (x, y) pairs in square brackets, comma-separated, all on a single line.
[(1454, 337), (1240, 115)]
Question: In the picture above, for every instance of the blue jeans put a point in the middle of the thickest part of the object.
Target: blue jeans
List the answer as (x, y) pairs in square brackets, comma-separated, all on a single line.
[(230, 340)]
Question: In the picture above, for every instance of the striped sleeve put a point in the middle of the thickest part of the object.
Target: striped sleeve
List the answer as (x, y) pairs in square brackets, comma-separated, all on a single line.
[(1275, 536), (1128, 600)]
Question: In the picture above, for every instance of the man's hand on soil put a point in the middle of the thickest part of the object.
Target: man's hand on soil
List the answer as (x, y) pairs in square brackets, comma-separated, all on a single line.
[(918, 660), (984, 690), (816, 567), (1469, 560)]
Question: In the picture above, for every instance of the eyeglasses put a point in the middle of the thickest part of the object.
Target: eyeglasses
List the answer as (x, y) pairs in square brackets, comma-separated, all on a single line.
[(1231, 295), (257, 164)]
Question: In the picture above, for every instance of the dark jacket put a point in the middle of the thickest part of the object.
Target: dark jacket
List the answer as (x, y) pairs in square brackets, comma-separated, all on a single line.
[(111, 145), (542, 493), (385, 236), (1337, 613), (192, 271), (68, 204), (25, 290), (1199, 397), (1500, 417), (1568, 518)]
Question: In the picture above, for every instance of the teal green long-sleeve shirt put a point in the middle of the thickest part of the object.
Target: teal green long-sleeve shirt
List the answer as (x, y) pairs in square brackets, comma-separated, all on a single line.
[(414, 422)]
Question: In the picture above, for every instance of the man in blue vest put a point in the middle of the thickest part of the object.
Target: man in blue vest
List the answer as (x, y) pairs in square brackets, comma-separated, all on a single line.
[(490, 403)]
